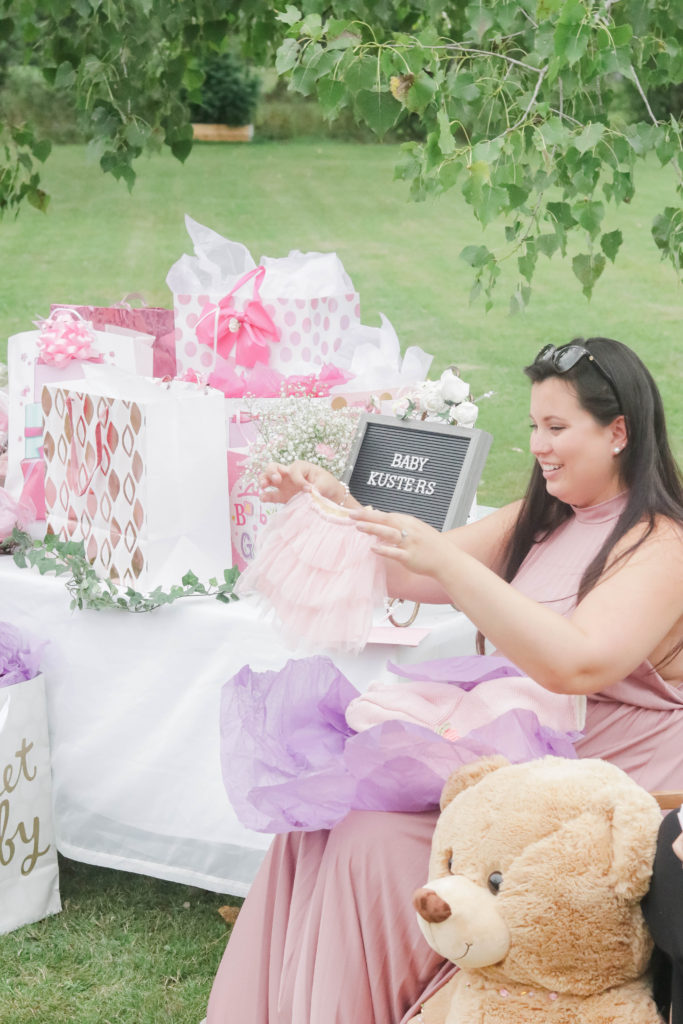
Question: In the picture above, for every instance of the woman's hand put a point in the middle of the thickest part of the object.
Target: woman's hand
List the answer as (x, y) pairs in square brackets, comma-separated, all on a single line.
[(279, 483), (404, 539)]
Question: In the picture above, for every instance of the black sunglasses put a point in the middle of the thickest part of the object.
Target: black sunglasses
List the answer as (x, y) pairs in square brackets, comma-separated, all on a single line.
[(565, 358)]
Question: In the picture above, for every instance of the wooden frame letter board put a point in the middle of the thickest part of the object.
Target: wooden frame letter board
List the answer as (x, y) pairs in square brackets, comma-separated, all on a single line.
[(425, 469)]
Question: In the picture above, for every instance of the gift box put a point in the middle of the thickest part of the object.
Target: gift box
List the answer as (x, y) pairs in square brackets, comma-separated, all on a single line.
[(136, 470)]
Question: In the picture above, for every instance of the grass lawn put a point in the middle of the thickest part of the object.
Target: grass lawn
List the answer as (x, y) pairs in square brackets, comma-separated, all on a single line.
[(97, 242), (132, 950)]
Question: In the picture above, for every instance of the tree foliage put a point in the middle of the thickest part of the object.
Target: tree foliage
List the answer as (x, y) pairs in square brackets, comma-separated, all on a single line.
[(537, 112)]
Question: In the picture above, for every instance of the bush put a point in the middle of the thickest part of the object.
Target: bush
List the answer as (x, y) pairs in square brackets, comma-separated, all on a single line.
[(25, 96), (230, 92)]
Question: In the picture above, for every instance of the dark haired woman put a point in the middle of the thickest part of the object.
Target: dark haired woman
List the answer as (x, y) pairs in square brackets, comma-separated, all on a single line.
[(580, 584)]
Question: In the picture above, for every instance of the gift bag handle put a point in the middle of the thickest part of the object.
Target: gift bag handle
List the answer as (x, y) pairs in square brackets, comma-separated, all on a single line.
[(72, 469)]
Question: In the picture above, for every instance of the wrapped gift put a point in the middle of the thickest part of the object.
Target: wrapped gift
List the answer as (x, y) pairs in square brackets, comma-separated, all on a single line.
[(136, 470), (58, 350), (154, 321), (29, 874), (308, 298)]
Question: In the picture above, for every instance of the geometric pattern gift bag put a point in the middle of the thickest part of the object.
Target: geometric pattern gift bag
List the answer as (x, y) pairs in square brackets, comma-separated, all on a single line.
[(136, 469)]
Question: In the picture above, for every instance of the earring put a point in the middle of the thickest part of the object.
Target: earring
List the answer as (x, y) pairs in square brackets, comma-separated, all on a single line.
[(617, 450)]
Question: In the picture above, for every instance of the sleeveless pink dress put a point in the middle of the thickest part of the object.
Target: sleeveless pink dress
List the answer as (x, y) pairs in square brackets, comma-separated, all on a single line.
[(328, 935)]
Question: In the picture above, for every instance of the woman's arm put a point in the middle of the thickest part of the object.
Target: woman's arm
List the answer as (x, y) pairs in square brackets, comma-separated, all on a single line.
[(484, 540), (615, 627)]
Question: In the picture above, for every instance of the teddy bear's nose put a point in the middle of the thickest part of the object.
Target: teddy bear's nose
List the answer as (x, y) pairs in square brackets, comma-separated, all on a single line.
[(430, 906)]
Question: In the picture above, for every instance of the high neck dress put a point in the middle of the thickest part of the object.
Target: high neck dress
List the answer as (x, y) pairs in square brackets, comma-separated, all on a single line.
[(327, 934)]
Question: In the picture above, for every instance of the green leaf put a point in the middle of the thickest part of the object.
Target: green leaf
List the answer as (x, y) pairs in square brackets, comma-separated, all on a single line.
[(189, 579), (588, 269), (477, 255), (421, 93), (547, 244), (312, 26), (589, 137), (6, 28), (446, 140), (41, 149), (571, 41), (331, 95), (589, 215), (610, 244), (379, 110), (554, 132), (65, 76), (286, 56), (290, 16), (561, 213)]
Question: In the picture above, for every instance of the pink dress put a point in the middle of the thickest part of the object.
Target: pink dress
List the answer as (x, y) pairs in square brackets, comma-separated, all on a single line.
[(328, 932)]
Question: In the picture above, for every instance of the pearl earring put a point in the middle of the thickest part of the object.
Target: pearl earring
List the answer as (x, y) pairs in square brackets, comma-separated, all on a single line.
[(617, 450)]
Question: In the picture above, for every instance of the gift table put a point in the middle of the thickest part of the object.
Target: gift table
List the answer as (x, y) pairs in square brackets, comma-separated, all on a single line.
[(133, 709)]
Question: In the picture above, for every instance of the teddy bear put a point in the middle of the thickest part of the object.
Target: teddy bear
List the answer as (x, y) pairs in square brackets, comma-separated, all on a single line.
[(535, 880)]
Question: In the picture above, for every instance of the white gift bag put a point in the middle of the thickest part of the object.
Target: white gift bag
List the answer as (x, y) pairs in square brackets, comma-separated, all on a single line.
[(137, 470), (27, 374), (29, 873)]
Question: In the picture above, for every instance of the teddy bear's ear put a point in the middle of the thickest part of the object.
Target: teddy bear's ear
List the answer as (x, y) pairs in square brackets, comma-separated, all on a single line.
[(634, 828), (470, 775)]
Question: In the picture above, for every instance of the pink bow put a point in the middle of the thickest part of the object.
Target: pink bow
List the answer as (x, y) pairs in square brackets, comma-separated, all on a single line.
[(64, 336), (249, 330)]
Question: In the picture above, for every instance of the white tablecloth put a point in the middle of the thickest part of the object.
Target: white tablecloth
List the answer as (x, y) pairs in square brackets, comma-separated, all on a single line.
[(133, 702)]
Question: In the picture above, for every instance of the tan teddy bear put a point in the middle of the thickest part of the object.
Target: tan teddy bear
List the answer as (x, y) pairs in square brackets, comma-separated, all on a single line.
[(535, 880)]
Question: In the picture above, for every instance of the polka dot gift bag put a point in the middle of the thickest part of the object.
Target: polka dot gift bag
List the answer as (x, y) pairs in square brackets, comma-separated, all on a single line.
[(290, 314)]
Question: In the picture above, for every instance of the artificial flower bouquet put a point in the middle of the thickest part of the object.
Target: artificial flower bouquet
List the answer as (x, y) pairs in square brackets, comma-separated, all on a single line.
[(447, 400), (29, 875)]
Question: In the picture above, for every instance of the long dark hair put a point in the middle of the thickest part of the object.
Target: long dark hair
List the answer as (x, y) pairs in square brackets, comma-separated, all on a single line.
[(648, 469)]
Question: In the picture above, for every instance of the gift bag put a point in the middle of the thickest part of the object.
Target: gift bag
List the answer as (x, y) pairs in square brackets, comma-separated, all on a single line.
[(155, 321), (248, 512), (58, 350), (308, 297), (136, 470), (29, 874)]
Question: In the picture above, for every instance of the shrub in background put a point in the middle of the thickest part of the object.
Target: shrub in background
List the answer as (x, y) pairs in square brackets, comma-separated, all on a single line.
[(230, 92), (26, 96)]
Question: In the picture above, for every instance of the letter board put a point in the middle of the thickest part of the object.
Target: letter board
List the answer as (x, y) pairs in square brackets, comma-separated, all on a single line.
[(426, 469)]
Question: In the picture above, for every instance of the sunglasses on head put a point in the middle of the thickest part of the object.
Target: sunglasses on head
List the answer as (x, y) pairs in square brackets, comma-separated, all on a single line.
[(565, 359)]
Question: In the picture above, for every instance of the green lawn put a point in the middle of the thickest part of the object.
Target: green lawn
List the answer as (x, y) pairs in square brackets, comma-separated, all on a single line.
[(97, 242), (131, 950)]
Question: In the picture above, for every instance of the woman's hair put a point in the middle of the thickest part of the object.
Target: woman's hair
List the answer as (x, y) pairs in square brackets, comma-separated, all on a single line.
[(648, 469)]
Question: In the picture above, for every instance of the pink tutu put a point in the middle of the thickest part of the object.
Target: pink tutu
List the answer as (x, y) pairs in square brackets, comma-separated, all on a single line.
[(318, 573)]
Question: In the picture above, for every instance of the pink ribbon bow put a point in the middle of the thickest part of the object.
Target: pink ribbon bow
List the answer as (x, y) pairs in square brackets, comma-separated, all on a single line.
[(64, 336), (249, 330)]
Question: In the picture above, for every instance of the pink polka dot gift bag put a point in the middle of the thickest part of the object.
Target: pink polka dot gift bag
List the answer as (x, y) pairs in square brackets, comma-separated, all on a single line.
[(290, 314)]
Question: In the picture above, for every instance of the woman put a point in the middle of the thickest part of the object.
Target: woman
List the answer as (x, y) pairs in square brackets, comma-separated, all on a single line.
[(580, 584)]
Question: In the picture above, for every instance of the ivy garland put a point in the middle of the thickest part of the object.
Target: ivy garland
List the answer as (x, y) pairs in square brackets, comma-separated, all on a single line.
[(88, 590)]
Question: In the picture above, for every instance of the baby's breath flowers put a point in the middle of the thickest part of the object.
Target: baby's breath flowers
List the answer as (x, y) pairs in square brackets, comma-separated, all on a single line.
[(301, 427)]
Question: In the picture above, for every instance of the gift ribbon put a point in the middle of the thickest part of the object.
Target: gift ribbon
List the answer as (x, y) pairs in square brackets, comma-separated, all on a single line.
[(249, 330), (64, 336), (72, 469)]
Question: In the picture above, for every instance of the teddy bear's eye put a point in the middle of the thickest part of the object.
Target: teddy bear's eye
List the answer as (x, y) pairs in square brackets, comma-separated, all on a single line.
[(495, 882)]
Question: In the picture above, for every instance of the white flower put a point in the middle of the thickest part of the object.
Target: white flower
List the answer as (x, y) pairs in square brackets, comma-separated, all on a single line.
[(431, 398), (400, 407), (453, 389), (466, 414)]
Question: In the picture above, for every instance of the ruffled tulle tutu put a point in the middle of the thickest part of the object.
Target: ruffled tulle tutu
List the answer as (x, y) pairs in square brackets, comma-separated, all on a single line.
[(318, 574), (291, 761)]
